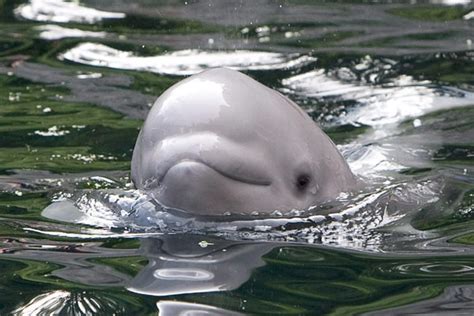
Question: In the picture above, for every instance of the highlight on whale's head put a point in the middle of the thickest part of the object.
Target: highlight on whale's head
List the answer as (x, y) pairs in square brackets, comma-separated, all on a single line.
[(220, 142)]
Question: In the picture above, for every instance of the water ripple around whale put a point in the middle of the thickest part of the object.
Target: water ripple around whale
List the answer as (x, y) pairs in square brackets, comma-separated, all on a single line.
[(376, 221)]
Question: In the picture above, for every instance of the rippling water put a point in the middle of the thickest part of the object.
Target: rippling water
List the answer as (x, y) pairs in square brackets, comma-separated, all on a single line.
[(391, 82)]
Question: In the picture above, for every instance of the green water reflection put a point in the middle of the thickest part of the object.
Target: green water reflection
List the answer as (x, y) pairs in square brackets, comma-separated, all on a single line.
[(58, 131), (295, 280)]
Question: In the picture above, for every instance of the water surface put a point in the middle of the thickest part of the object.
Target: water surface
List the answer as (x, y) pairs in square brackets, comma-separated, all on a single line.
[(391, 82)]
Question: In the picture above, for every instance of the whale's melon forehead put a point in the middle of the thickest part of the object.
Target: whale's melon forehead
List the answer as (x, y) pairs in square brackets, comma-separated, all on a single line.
[(221, 99), (211, 94)]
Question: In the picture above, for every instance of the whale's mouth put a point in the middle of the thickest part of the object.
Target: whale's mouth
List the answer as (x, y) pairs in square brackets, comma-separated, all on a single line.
[(237, 174)]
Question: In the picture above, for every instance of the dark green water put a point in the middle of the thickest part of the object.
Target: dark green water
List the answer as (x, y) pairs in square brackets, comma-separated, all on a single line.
[(391, 82)]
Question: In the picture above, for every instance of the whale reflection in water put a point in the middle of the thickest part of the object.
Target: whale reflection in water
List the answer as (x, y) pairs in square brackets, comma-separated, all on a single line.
[(173, 308), (179, 264)]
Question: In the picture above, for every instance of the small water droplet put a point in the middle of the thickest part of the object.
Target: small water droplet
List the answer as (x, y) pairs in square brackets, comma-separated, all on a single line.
[(205, 244)]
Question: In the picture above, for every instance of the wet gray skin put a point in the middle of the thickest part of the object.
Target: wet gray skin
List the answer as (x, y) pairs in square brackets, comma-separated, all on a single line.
[(220, 141)]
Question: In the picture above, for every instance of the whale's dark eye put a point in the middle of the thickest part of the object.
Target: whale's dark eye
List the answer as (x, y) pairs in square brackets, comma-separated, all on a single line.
[(302, 182)]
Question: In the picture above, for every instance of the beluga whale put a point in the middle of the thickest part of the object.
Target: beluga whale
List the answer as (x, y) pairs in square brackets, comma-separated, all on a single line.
[(220, 142)]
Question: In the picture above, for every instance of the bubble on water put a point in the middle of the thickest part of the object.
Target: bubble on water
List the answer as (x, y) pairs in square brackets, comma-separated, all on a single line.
[(14, 96), (205, 244), (52, 131)]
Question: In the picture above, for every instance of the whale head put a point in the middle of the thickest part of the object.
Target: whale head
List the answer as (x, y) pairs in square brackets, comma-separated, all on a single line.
[(220, 141)]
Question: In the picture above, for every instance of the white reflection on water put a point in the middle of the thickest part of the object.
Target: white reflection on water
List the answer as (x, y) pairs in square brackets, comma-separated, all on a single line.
[(373, 161), (469, 16), (62, 302), (55, 32), (61, 11), (45, 304), (184, 62), (451, 2), (172, 308), (400, 99)]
